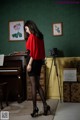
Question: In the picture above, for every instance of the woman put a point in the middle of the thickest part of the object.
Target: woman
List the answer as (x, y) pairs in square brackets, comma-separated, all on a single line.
[(35, 48)]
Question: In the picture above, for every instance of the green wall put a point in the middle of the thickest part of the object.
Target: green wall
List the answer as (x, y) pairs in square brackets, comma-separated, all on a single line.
[(44, 13)]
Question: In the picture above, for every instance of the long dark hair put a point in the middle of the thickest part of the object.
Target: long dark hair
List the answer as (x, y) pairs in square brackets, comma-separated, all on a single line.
[(34, 29)]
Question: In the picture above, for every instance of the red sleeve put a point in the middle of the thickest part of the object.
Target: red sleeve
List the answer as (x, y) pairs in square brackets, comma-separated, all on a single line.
[(36, 47), (30, 45)]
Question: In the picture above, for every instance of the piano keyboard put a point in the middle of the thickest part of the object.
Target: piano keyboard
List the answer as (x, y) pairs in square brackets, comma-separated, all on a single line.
[(8, 70)]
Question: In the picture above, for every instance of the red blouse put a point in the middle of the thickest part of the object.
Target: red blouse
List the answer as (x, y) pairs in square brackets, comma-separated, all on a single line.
[(36, 47)]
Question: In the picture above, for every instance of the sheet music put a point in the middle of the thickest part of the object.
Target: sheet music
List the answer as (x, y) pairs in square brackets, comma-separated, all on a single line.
[(1, 59)]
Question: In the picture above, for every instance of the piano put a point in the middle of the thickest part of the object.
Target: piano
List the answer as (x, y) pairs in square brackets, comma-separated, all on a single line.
[(13, 72)]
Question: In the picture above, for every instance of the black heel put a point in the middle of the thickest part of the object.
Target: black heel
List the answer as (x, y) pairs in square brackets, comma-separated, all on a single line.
[(46, 110), (35, 112)]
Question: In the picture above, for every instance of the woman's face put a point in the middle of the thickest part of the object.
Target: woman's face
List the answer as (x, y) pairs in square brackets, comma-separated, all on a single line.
[(27, 29)]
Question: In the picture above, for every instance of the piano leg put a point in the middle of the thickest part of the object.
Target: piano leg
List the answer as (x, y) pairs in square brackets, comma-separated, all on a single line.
[(2, 87), (7, 94), (1, 97)]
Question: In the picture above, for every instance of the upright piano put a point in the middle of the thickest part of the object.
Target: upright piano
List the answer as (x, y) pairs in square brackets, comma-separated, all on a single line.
[(13, 72)]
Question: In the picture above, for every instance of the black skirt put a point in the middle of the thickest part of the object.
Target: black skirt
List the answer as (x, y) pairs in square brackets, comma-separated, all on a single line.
[(36, 67)]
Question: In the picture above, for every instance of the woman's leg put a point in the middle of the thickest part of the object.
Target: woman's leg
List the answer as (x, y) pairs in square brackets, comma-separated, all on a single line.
[(33, 84), (40, 90), (42, 95)]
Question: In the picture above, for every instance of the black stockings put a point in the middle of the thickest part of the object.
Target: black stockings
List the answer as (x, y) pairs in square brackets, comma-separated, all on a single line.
[(37, 87)]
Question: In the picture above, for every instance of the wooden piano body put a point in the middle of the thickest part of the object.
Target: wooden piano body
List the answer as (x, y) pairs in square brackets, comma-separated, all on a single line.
[(13, 71)]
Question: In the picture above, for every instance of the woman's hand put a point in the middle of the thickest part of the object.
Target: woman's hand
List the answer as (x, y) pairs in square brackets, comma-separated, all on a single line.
[(29, 67)]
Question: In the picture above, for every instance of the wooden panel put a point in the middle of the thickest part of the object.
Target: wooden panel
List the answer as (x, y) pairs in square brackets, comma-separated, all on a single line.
[(75, 92), (71, 91), (66, 92)]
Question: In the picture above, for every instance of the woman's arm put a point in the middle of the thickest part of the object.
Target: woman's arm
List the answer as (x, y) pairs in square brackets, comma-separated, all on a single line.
[(30, 61), (29, 66)]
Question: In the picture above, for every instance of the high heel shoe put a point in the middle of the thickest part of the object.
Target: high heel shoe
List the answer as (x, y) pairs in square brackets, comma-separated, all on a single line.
[(46, 110), (35, 112)]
